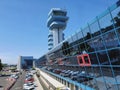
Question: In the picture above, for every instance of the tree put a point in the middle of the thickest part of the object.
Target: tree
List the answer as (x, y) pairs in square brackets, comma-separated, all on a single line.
[(66, 48), (63, 49), (116, 19), (88, 36), (83, 47), (118, 14), (0, 65)]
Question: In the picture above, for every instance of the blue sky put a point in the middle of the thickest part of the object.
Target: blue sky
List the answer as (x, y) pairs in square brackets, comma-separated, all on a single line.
[(23, 29)]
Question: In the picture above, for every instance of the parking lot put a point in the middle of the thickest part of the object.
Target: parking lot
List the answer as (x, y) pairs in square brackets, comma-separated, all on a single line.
[(19, 83)]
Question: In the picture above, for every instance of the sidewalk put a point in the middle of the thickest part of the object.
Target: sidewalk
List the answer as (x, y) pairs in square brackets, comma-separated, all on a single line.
[(39, 86)]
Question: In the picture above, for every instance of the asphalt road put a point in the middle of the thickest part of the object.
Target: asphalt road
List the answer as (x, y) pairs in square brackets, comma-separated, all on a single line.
[(3, 82), (19, 83)]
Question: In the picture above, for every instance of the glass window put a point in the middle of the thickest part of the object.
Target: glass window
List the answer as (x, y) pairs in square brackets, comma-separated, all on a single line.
[(59, 13), (93, 59), (90, 44), (74, 37), (79, 48), (116, 17), (74, 50), (103, 58), (106, 23), (118, 33), (82, 46), (106, 69), (69, 39), (87, 46), (94, 28), (98, 44), (86, 33), (114, 56), (110, 40), (80, 36), (73, 60)]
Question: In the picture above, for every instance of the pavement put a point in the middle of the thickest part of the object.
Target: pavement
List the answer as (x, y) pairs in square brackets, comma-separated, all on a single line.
[(3, 82), (39, 86)]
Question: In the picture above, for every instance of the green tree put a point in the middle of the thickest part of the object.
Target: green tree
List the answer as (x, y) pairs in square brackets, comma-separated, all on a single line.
[(88, 36), (116, 19), (66, 48), (0, 65), (83, 47)]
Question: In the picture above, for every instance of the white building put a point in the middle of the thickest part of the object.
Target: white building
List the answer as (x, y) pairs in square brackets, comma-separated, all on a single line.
[(57, 21)]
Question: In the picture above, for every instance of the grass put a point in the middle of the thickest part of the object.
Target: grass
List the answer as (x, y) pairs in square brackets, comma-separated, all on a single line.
[(5, 73)]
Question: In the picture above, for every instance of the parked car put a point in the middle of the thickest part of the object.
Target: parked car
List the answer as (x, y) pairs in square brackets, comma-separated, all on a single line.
[(68, 74), (83, 76), (62, 72), (29, 79), (73, 76), (14, 76), (28, 86), (83, 79), (33, 71), (77, 74), (57, 71), (50, 69), (29, 74)]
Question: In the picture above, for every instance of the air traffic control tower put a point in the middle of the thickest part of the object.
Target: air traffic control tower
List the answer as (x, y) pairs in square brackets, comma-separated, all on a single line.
[(57, 21)]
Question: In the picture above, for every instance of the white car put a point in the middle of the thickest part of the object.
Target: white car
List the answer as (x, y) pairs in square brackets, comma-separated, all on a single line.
[(29, 86), (31, 83), (33, 71), (14, 76)]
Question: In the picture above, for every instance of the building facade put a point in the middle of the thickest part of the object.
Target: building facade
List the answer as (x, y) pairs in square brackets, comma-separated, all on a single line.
[(94, 49), (50, 40), (25, 62)]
